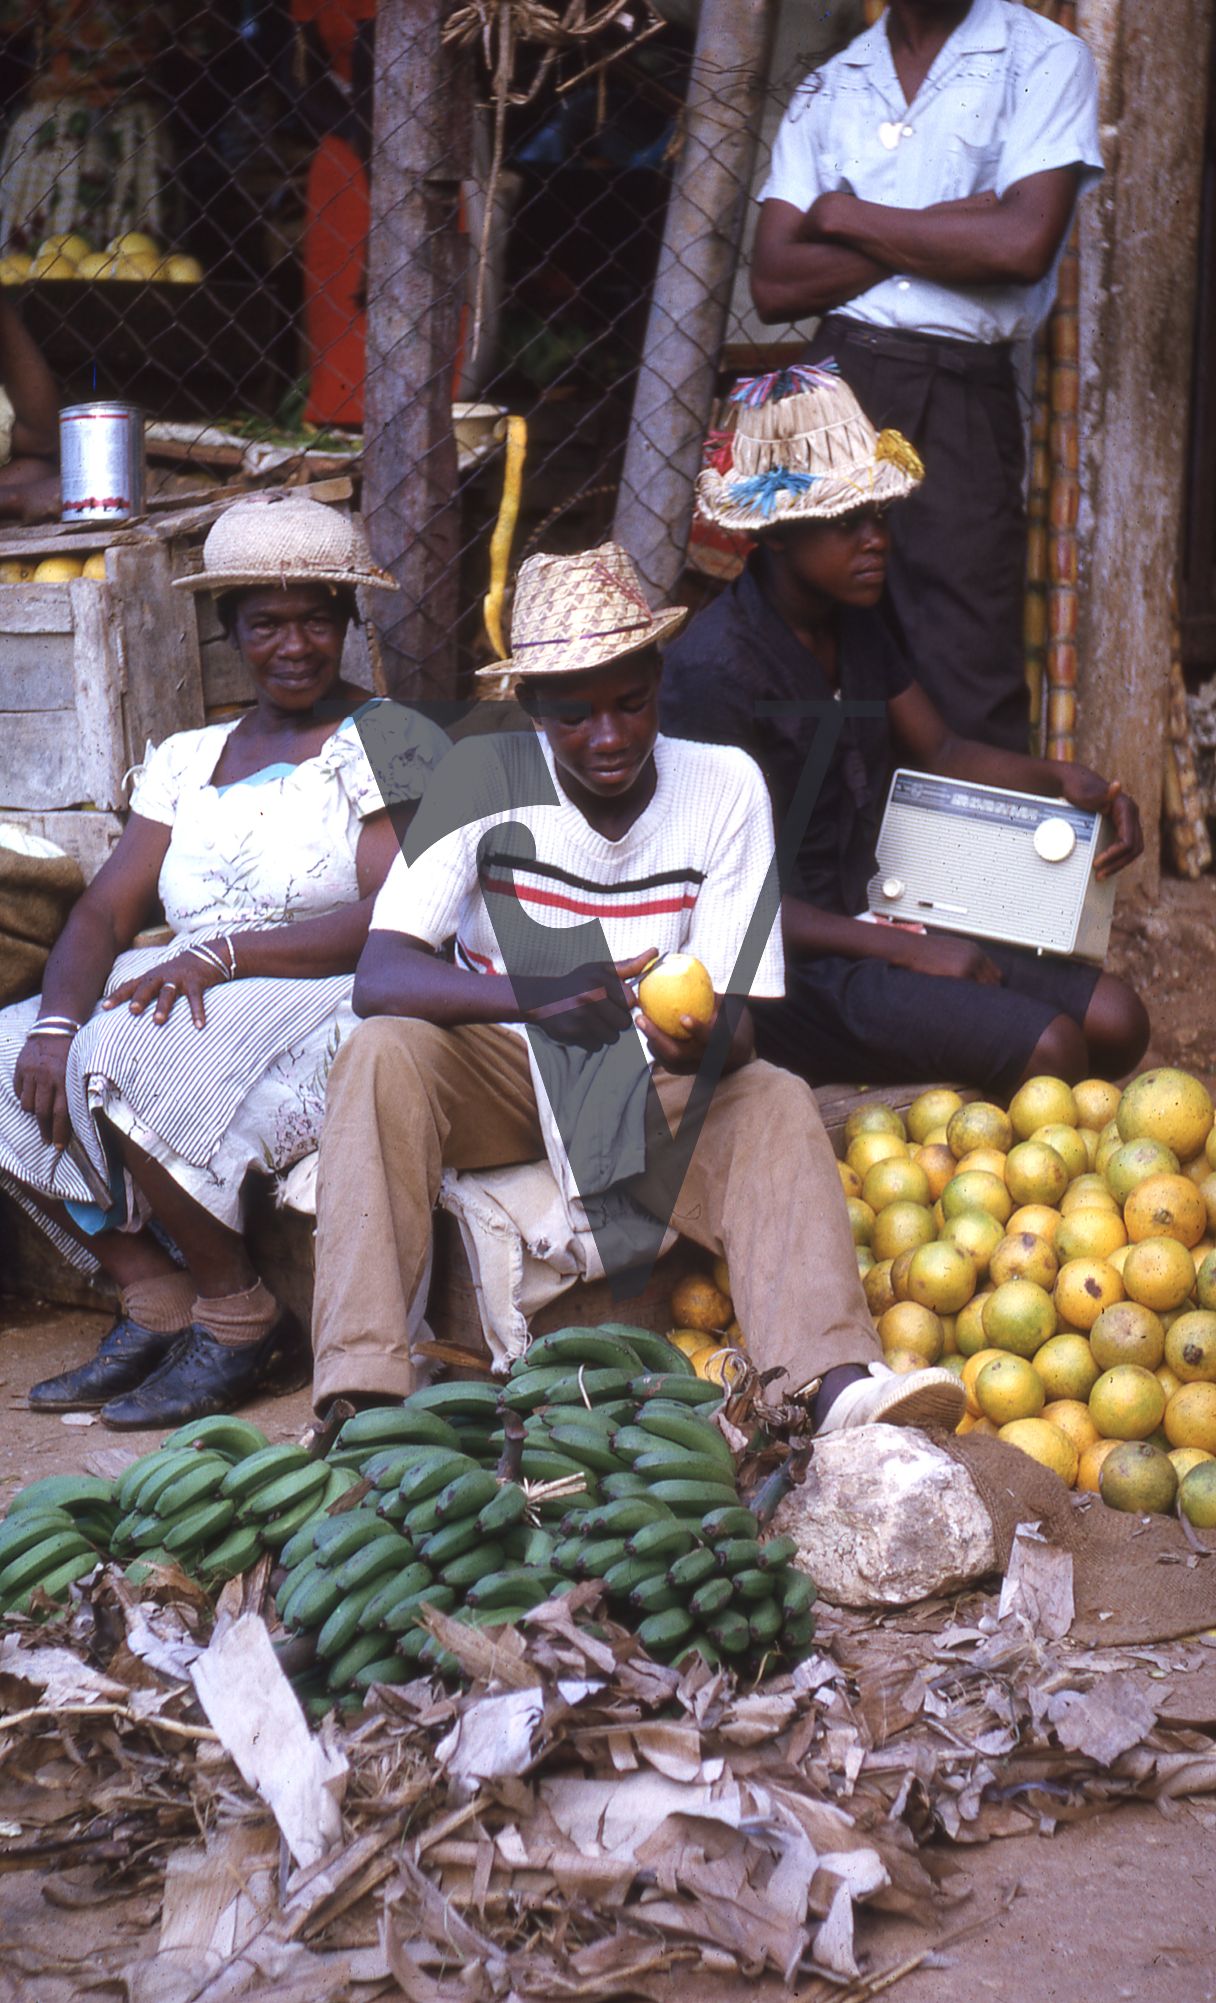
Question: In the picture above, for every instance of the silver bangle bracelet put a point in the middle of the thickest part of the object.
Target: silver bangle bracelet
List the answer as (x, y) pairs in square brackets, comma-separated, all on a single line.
[(209, 959), (52, 1029)]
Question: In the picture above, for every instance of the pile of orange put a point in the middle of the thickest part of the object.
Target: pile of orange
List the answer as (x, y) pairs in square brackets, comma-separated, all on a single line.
[(705, 1327), (1060, 1256)]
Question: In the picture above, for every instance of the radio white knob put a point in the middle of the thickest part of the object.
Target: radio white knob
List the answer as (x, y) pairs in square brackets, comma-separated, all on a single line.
[(893, 888), (1055, 839)]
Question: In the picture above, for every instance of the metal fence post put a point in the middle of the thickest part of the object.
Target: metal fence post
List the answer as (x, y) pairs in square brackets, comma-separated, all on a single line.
[(416, 269), (692, 288)]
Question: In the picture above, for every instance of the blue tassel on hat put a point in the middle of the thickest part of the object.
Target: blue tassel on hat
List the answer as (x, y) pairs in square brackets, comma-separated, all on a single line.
[(761, 490)]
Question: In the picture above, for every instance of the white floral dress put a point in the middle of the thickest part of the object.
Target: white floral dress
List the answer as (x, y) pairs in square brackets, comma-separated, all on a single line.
[(248, 1091)]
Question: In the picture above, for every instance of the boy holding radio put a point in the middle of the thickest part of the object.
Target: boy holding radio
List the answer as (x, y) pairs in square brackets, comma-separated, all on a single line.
[(805, 474)]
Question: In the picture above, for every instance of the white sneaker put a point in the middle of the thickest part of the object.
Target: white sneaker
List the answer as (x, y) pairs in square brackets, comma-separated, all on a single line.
[(922, 1398)]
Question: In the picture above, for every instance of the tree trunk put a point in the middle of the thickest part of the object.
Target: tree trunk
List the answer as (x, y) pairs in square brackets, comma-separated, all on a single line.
[(416, 269), (1139, 239), (692, 289)]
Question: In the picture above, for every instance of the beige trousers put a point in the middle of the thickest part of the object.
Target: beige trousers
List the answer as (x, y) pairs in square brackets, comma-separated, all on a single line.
[(407, 1100)]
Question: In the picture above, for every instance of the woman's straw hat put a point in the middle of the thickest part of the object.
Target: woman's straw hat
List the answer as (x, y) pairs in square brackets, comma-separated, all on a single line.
[(573, 613), (284, 539), (802, 450)]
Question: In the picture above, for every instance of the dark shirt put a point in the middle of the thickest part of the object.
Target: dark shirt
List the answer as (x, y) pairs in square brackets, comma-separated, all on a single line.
[(739, 652)]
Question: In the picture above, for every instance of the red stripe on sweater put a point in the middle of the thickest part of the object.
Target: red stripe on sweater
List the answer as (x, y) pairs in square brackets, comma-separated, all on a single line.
[(655, 908)]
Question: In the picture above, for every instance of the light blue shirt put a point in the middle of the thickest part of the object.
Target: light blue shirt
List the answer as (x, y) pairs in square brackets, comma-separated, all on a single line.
[(1009, 95)]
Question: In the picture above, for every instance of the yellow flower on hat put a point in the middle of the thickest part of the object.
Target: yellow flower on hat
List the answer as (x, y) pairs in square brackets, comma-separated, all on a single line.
[(897, 451)]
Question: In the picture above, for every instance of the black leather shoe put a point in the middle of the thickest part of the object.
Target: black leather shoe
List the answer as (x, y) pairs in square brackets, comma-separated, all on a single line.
[(201, 1375), (127, 1355)]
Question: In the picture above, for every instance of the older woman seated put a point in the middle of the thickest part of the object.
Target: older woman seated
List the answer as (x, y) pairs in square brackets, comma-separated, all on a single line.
[(158, 1078)]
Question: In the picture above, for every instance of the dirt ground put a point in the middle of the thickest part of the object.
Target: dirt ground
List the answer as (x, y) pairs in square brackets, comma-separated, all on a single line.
[(1123, 1905)]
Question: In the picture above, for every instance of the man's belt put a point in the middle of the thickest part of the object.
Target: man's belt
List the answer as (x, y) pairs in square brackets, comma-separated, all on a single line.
[(988, 361)]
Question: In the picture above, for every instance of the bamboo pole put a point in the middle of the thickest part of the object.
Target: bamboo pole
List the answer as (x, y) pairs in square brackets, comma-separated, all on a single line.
[(1062, 665), (1038, 498), (1186, 825), (1063, 508)]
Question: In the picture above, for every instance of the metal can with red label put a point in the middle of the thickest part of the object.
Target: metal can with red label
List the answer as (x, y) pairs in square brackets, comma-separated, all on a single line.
[(101, 462)]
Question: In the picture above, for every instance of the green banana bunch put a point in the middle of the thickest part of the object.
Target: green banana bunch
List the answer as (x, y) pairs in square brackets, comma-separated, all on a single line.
[(41, 1550)]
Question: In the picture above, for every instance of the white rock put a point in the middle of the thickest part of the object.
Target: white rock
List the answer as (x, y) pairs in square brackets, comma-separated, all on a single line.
[(885, 1517)]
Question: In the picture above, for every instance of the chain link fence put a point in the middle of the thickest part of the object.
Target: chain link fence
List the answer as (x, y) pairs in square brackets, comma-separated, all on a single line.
[(186, 198), (299, 232)]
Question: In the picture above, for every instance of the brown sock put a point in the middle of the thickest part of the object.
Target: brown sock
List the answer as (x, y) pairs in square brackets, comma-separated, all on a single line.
[(163, 1304), (238, 1319)]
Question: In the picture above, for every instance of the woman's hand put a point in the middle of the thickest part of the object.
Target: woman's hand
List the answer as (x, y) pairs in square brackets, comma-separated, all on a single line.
[(185, 975), (1095, 795), (40, 1082), (945, 955)]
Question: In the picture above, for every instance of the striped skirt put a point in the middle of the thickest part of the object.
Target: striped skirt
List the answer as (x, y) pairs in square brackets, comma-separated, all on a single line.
[(247, 1092)]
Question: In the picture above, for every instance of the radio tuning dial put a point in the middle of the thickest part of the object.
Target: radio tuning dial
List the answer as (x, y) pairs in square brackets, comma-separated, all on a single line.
[(1054, 839), (893, 888)]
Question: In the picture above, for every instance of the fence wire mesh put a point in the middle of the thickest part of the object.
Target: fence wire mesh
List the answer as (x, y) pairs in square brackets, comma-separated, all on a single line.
[(233, 213), (186, 197)]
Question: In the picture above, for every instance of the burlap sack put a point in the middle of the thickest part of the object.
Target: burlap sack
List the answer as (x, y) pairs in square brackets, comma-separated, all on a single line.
[(1135, 1578), (36, 894)]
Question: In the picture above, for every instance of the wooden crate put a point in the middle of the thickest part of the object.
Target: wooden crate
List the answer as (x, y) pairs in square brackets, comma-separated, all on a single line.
[(61, 734), (93, 671)]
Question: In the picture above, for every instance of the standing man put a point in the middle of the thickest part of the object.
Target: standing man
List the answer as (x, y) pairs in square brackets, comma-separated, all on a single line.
[(922, 188)]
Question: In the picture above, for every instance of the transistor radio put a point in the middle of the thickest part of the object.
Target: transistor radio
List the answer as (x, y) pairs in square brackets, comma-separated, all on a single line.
[(994, 864)]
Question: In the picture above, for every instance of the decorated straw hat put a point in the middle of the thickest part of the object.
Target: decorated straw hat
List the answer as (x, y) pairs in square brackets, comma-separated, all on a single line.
[(284, 539), (801, 450), (574, 613)]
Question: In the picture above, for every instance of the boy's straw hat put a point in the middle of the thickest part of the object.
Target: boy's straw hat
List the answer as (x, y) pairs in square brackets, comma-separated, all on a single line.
[(573, 613), (284, 539), (802, 450)]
